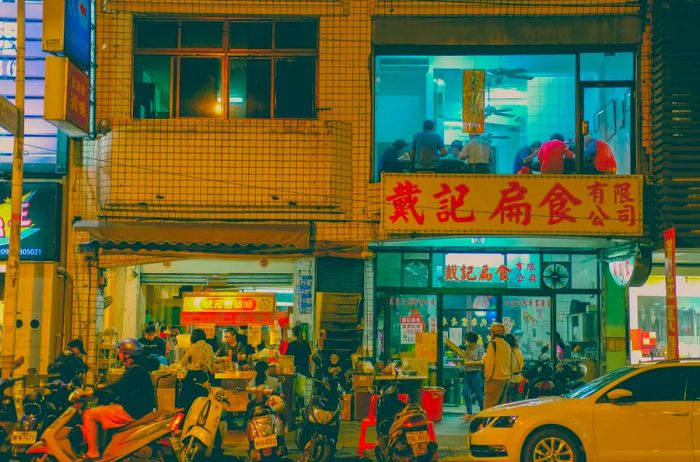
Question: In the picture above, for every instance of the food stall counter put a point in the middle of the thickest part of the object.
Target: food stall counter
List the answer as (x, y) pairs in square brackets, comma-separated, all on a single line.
[(409, 384)]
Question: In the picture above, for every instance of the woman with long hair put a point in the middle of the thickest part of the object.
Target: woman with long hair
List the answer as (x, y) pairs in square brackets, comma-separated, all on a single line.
[(515, 390), (198, 360)]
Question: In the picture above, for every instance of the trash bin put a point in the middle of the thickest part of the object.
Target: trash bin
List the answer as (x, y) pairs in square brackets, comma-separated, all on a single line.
[(431, 400)]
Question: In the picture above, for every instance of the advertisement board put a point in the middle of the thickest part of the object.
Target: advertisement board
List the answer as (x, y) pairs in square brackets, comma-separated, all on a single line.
[(671, 299), (67, 102), (67, 30), (229, 308), (40, 215)]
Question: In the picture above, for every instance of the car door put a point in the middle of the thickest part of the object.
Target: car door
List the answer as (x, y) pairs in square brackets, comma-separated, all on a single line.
[(653, 425), (694, 393)]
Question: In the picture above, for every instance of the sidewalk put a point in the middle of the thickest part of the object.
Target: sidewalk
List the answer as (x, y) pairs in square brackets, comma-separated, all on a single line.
[(451, 434)]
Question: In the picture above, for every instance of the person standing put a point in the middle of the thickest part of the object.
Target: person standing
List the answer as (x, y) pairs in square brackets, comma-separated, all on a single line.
[(152, 344), (473, 383), (427, 147), (301, 350), (515, 392), (69, 363), (198, 360), (525, 156), (497, 367), (552, 153)]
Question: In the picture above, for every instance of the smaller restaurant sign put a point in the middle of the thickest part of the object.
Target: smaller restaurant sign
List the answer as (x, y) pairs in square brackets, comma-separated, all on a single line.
[(512, 204), (67, 100), (672, 350), (410, 326), (229, 308)]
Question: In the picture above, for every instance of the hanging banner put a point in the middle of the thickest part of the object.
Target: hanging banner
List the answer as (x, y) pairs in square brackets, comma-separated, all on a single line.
[(473, 84), (512, 204), (229, 308), (67, 101), (671, 300)]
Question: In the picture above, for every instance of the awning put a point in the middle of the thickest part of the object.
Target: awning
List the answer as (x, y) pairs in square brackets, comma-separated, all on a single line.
[(196, 237)]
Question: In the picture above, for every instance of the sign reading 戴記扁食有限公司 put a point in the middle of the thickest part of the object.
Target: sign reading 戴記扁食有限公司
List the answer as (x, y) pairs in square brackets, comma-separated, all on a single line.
[(77, 32), (40, 221)]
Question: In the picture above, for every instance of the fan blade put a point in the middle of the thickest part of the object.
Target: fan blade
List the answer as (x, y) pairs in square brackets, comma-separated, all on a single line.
[(517, 70), (521, 77)]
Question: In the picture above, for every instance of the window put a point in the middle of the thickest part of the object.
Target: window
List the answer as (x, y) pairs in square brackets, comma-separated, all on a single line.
[(271, 68), (662, 384), (694, 383)]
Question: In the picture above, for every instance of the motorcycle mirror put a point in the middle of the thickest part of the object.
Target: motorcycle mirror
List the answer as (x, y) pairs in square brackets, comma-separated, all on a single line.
[(19, 361)]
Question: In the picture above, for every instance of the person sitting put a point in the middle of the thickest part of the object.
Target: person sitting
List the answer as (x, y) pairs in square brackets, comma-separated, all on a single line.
[(68, 365), (552, 154), (262, 379), (426, 147), (525, 156), (199, 361), (133, 396), (153, 345), (390, 161), (478, 154), (598, 157)]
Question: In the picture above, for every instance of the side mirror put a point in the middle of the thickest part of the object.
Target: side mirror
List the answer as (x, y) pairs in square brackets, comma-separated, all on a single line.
[(619, 395)]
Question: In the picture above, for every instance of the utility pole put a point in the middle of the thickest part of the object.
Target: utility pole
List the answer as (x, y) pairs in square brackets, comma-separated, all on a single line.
[(12, 272)]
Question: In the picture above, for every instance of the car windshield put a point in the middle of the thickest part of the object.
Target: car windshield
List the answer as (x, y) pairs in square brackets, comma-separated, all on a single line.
[(595, 385)]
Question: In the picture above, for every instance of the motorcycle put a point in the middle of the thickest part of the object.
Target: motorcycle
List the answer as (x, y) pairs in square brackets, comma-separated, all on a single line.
[(265, 427), (318, 436), (201, 433), (145, 438), (8, 412), (402, 430), (37, 413), (545, 380)]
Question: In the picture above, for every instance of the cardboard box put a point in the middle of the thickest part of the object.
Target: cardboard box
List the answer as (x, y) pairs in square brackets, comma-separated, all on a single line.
[(346, 409)]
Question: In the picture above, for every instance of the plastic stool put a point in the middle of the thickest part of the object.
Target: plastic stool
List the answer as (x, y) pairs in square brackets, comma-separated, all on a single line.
[(371, 421)]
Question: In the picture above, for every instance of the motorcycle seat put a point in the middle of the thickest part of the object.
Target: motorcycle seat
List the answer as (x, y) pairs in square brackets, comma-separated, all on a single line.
[(145, 419)]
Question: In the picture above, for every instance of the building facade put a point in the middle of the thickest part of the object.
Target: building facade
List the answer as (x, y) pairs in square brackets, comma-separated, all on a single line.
[(242, 145)]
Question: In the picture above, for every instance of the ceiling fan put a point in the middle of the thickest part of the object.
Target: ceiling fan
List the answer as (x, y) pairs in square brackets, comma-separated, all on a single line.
[(498, 75), (491, 110)]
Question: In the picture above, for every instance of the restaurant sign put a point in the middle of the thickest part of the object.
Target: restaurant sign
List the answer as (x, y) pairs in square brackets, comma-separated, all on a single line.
[(228, 308), (512, 204)]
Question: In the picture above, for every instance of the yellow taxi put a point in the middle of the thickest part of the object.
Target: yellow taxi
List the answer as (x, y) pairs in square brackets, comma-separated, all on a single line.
[(648, 413)]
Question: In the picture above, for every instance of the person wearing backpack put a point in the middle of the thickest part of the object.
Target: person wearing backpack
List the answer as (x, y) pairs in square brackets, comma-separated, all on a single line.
[(497, 367), (69, 363)]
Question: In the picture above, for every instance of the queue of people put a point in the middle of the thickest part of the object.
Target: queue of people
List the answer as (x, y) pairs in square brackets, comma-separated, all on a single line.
[(427, 153)]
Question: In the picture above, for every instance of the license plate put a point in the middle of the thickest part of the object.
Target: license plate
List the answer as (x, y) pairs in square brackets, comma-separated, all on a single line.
[(416, 437), (23, 438), (265, 442)]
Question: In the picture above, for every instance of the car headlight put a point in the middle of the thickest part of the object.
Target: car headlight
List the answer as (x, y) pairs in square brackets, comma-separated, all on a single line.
[(505, 421)]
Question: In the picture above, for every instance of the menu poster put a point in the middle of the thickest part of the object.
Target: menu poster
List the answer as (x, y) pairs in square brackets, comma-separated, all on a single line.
[(426, 346), (410, 325), (254, 335)]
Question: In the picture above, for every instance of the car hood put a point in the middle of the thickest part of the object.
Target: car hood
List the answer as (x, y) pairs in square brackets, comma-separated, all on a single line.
[(522, 405)]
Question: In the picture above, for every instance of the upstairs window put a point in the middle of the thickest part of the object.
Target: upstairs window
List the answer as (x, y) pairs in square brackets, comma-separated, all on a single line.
[(191, 68)]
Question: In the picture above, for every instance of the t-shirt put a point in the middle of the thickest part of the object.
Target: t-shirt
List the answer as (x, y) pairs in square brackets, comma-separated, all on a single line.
[(520, 156), (473, 354), (390, 161), (551, 156), (155, 347), (601, 156), (301, 350), (426, 146)]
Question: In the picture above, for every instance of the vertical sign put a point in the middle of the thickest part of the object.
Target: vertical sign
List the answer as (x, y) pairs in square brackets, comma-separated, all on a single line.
[(77, 32), (473, 115), (671, 301)]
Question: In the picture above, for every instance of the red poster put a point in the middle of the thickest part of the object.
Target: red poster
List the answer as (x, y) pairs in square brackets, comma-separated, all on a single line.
[(78, 98), (671, 301)]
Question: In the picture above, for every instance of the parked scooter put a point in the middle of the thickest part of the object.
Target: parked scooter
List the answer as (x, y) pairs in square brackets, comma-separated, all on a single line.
[(318, 436), (402, 430), (8, 412), (265, 425), (37, 414), (141, 439), (202, 433)]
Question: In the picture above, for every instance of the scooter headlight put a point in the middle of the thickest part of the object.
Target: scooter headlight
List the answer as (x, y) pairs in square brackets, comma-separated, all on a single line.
[(322, 416)]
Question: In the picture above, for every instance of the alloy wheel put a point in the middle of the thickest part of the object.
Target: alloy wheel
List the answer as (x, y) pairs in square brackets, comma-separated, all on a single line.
[(552, 449)]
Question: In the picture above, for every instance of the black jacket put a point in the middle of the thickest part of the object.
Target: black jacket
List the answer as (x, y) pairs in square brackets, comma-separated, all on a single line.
[(134, 391), (67, 365)]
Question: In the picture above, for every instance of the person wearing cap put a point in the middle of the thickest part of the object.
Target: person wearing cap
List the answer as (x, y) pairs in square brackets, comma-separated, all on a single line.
[(69, 363), (497, 367), (132, 397)]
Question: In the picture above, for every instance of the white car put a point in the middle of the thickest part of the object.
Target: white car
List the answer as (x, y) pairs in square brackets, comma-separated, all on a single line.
[(647, 413)]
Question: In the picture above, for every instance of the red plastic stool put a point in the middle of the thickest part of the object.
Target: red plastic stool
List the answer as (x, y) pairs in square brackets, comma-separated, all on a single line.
[(371, 421)]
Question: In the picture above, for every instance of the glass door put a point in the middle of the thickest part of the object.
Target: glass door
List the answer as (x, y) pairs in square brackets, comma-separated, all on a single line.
[(529, 319), (462, 314), (607, 131)]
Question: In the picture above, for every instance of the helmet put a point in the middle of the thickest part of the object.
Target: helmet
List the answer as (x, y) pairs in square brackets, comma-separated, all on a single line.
[(275, 403), (130, 347)]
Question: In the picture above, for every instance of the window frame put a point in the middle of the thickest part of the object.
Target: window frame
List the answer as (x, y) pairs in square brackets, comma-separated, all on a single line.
[(224, 54), (668, 369)]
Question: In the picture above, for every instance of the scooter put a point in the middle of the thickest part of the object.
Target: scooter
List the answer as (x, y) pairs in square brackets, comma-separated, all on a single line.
[(8, 412), (265, 427), (37, 414), (402, 430), (201, 433), (318, 436), (144, 438)]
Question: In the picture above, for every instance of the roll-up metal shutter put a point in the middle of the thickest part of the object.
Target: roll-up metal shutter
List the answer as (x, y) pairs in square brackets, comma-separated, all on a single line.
[(345, 275)]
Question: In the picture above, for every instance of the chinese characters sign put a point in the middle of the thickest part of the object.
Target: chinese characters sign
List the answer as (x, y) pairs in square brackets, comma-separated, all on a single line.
[(473, 84), (67, 101), (485, 273), (410, 326), (228, 308), (622, 270), (671, 300), (512, 204)]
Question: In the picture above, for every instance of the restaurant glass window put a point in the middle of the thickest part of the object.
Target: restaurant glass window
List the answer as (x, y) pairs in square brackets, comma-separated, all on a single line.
[(271, 67), (152, 77), (388, 269), (578, 325), (413, 330), (528, 318), (607, 114)]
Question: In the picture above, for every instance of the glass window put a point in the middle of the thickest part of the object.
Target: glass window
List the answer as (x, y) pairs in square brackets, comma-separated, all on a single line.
[(577, 324), (662, 384), (607, 145), (200, 87), (249, 87), (389, 269), (584, 271), (250, 35), (152, 86), (156, 34), (410, 316), (296, 35), (202, 34), (524, 270), (529, 320), (509, 101), (650, 336), (415, 273), (694, 383), (611, 65), (295, 88)]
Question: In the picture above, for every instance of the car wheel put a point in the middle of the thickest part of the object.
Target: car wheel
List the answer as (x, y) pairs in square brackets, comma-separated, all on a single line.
[(552, 445)]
